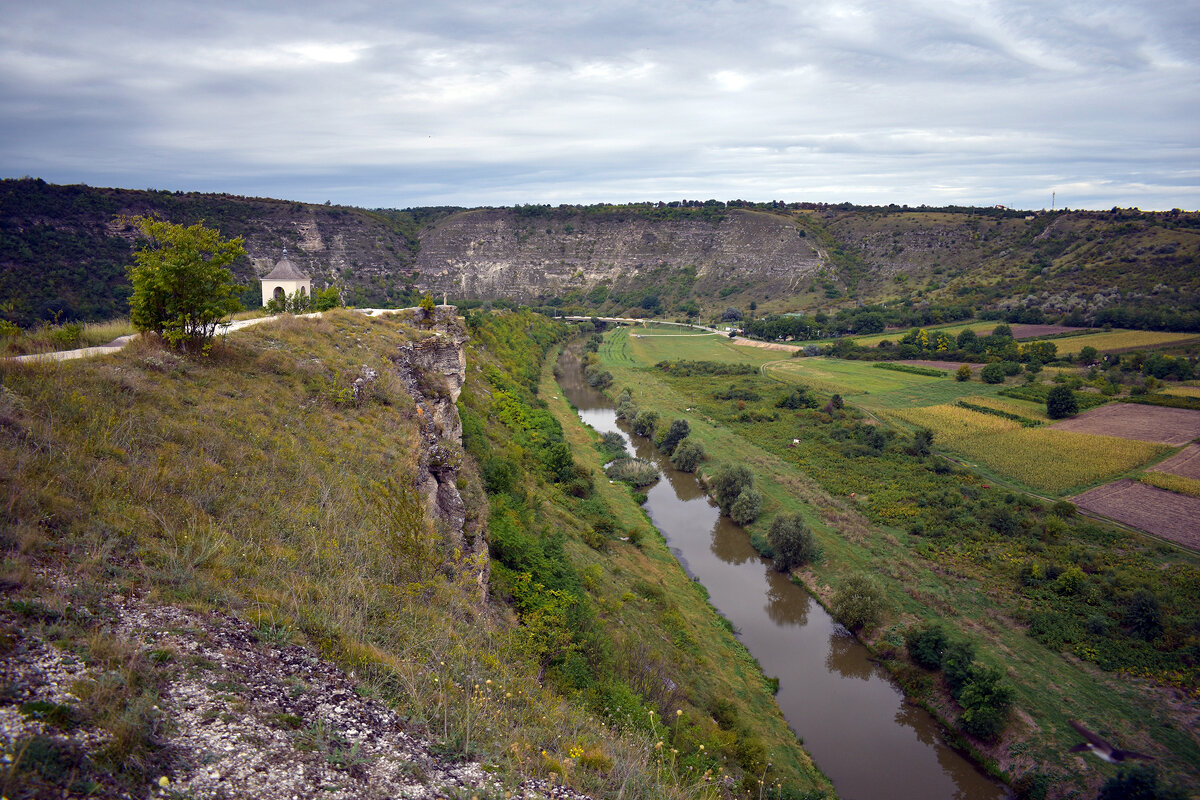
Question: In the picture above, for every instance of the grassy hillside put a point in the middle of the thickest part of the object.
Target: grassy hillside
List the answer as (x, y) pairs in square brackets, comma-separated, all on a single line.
[(253, 482), (1048, 598)]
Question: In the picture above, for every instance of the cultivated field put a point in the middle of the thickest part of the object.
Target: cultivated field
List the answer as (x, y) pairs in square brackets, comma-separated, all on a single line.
[(1041, 458), (949, 366), (1030, 331), (1119, 340), (1166, 514), (1186, 463), (1173, 426)]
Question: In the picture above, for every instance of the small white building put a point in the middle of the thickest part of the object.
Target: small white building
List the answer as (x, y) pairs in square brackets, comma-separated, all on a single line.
[(284, 281)]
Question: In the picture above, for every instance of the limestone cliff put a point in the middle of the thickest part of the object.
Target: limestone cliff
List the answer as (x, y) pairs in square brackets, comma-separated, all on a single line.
[(433, 369), (499, 253)]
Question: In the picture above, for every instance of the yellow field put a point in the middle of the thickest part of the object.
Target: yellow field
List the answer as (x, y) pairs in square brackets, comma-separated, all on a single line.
[(1118, 340), (1022, 408), (1183, 391), (1041, 458), (1172, 483), (951, 424)]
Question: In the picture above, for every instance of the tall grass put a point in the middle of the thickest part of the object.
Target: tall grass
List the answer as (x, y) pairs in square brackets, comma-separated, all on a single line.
[(66, 336), (249, 482)]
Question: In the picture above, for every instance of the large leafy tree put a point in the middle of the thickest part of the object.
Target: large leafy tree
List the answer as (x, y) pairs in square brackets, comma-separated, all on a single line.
[(182, 288)]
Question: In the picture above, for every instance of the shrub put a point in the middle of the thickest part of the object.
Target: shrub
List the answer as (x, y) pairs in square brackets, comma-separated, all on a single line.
[(1143, 616), (1061, 403), (687, 456), (632, 470), (791, 541), (925, 645), (992, 373), (958, 662), (858, 603), (728, 483), (985, 700), (645, 422), (746, 507), (963, 373), (678, 431), (1138, 783), (798, 398), (611, 445)]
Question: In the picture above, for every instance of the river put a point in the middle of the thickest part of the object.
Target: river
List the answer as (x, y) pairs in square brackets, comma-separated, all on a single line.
[(850, 715)]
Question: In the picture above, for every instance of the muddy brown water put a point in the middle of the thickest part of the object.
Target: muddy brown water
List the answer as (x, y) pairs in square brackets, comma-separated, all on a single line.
[(845, 708)]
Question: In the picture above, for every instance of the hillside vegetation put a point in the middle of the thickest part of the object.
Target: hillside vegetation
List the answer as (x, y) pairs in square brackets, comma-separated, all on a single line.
[(274, 481), (62, 255)]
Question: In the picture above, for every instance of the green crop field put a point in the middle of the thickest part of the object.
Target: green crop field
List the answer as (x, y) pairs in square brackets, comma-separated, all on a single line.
[(652, 349), (863, 385)]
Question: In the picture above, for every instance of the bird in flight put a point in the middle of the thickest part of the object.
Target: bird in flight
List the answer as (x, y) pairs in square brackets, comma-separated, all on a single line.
[(1101, 748)]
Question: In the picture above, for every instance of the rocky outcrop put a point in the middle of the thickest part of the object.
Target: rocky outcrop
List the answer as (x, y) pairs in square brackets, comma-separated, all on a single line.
[(499, 253), (249, 717), (433, 368)]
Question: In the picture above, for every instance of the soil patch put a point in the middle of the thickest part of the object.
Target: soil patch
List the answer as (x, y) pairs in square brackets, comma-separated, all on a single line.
[(950, 366), (1031, 331), (787, 348), (1186, 463), (1162, 513), (1173, 426)]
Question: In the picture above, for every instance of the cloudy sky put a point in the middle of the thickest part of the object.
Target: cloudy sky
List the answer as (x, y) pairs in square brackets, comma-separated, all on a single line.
[(470, 102)]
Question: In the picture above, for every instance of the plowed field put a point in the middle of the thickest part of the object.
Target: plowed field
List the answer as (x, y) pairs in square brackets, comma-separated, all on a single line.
[(1173, 426), (1166, 514), (1186, 463)]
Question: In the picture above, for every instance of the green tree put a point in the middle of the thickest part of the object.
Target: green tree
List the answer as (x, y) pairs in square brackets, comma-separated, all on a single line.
[(746, 507), (645, 423), (985, 700), (678, 431), (963, 373), (687, 456), (858, 603), (182, 289), (926, 644), (791, 541), (728, 483), (1061, 402), (427, 305)]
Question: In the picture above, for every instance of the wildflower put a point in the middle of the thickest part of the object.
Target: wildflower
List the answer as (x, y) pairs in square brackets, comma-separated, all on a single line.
[(679, 712), (164, 781)]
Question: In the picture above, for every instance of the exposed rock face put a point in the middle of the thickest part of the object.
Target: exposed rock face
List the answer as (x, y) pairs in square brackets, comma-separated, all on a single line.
[(433, 369), (498, 253)]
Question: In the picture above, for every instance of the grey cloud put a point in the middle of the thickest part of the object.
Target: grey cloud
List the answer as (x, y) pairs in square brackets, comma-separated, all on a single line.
[(472, 103)]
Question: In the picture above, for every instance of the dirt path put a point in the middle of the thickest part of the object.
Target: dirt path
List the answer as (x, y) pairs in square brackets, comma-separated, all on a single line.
[(116, 345)]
